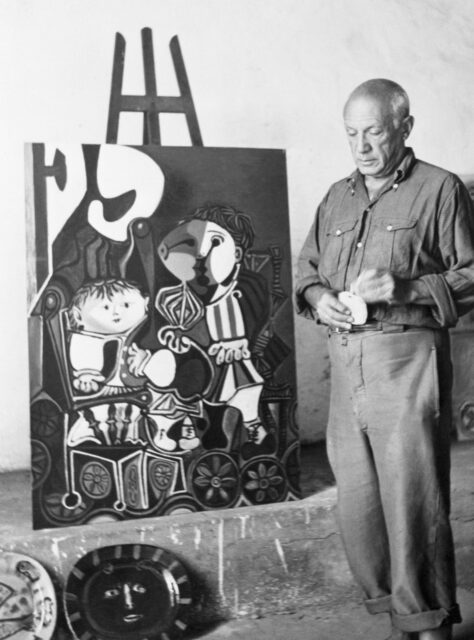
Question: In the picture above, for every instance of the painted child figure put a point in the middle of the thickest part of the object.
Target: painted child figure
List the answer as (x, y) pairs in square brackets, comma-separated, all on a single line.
[(104, 317), (205, 253)]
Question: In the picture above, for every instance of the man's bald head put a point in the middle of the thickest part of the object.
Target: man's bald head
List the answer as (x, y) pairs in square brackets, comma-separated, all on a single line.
[(387, 93)]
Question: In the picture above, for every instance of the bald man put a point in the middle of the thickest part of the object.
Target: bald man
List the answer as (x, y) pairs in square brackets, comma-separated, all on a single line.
[(388, 266)]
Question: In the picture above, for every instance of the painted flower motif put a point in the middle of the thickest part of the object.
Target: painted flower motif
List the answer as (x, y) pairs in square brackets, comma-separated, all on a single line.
[(161, 474), (44, 418), (264, 482), (217, 475), (96, 480)]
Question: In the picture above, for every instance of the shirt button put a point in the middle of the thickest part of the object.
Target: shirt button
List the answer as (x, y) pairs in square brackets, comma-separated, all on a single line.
[(338, 232), (389, 227), (359, 244)]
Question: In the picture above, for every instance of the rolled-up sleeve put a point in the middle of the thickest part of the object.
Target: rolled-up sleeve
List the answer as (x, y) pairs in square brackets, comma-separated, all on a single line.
[(453, 290), (307, 268)]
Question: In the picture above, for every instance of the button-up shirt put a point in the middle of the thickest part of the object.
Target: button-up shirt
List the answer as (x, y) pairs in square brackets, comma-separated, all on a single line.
[(419, 227)]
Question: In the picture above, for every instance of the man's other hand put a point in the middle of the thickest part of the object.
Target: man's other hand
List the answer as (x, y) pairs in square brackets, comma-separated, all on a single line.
[(377, 285)]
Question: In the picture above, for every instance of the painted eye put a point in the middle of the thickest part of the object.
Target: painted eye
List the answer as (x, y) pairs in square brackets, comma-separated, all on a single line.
[(139, 588), (106, 307), (111, 593), (126, 305), (216, 242)]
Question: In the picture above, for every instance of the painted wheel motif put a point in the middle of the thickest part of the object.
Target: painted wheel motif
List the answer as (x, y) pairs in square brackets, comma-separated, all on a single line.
[(56, 512), (161, 475), (40, 463), (44, 419), (215, 480), (96, 480), (264, 481)]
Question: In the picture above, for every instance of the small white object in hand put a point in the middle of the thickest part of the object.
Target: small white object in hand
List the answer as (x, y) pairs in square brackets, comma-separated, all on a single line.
[(356, 305)]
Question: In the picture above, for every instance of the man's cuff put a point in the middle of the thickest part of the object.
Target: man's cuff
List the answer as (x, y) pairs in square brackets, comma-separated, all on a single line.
[(444, 310), (302, 306)]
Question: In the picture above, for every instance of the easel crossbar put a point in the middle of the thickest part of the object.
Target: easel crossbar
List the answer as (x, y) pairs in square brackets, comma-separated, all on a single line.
[(150, 104)]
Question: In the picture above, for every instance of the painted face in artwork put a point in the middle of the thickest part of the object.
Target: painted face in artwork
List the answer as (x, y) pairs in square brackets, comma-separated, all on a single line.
[(118, 313), (127, 600), (201, 253)]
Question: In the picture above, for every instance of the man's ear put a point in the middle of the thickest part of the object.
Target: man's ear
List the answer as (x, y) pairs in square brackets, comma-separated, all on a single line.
[(407, 126), (239, 254)]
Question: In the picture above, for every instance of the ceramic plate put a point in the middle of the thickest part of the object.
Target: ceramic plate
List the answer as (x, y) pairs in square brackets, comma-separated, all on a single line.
[(356, 305), (28, 607), (128, 592)]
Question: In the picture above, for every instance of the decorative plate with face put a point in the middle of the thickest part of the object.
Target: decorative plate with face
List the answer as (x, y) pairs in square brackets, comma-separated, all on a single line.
[(28, 607), (128, 592)]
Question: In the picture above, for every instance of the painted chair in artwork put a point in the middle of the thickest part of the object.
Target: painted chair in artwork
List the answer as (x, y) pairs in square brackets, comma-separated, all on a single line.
[(104, 440)]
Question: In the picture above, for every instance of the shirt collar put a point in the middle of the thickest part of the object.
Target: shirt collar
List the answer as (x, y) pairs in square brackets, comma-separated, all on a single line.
[(402, 171)]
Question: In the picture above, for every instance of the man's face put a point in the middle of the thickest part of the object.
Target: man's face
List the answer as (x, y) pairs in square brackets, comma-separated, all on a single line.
[(376, 140), (200, 252), (117, 314)]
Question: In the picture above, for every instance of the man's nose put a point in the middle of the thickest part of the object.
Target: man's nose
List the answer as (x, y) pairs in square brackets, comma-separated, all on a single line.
[(362, 144)]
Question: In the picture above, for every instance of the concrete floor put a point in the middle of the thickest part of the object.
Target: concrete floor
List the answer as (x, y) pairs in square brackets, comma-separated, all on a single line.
[(342, 621), (349, 620)]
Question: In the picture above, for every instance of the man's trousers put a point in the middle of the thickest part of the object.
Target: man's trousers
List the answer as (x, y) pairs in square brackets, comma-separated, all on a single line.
[(389, 446)]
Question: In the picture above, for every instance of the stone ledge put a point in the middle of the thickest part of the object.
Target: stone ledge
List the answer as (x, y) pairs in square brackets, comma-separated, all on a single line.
[(245, 561), (248, 561)]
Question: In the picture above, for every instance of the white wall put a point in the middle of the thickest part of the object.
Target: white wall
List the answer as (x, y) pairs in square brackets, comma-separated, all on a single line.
[(264, 73)]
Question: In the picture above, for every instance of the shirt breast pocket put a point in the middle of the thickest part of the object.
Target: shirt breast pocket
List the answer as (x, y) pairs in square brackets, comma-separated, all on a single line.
[(397, 240), (337, 246)]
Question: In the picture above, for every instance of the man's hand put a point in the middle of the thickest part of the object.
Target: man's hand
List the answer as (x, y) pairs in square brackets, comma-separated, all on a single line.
[(377, 285), (329, 309)]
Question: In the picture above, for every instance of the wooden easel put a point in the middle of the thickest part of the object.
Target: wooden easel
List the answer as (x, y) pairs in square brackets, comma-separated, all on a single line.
[(150, 104)]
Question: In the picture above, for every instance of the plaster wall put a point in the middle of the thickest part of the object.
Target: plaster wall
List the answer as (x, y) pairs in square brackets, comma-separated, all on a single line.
[(264, 73)]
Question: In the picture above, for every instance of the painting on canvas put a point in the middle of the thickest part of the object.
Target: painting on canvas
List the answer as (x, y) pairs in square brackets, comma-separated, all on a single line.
[(161, 331)]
